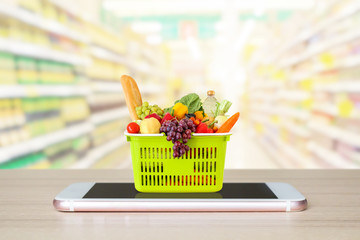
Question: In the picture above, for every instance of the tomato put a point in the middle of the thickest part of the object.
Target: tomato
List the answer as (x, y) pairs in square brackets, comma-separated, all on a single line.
[(133, 127)]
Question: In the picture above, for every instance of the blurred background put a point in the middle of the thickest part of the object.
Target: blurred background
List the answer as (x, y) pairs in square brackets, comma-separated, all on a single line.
[(292, 68)]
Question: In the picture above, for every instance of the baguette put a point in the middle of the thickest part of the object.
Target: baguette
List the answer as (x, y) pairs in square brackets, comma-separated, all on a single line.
[(132, 95)]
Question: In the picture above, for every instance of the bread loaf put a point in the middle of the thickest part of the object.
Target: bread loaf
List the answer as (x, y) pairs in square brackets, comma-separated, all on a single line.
[(132, 95)]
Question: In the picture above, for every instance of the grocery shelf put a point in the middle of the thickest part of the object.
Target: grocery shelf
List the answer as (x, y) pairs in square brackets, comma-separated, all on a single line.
[(322, 46), (347, 62), (300, 159), (97, 153), (39, 143), (274, 153), (115, 87), (41, 22), (282, 111), (36, 90), (102, 86), (292, 95), (265, 85), (336, 133), (107, 55), (283, 147), (296, 129), (343, 86), (325, 108), (109, 115), (310, 32), (332, 110), (329, 156), (37, 51)]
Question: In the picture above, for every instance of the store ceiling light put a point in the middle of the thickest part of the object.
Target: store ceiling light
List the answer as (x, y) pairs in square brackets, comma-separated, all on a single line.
[(194, 48), (154, 39), (146, 27)]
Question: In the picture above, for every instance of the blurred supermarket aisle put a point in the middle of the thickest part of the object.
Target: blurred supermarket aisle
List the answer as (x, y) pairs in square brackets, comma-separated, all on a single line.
[(243, 152), (290, 67)]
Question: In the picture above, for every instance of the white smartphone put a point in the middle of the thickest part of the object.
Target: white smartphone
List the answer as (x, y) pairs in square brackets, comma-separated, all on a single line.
[(113, 197)]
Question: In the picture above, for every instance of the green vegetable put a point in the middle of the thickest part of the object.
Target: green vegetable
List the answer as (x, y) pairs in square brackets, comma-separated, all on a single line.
[(192, 101), (219, 121), (222, 108), (137, 121), (169, 110)]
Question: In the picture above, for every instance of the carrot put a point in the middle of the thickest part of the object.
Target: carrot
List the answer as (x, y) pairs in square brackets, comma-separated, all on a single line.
[(227, 126)]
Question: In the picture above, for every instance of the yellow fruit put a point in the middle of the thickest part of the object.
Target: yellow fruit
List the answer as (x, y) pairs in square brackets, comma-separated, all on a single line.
[(150, 125)]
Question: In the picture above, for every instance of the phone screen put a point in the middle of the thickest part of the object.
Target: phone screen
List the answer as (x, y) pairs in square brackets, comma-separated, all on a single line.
[(229, 191)]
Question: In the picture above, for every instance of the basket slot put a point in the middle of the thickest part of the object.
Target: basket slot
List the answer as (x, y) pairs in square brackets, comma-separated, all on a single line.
[(207, 166), (207, 153), (149, 153), (214, 166), (210, 167), (170, 153), (141, 167), (142, 180), (215, 152)]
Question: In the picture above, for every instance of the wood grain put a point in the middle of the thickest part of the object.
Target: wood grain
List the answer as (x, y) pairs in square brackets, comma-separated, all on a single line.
[(26, 210)]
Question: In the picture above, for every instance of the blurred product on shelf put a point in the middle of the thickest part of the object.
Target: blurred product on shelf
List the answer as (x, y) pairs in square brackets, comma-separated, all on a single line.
[(61, 102), (307, 99)]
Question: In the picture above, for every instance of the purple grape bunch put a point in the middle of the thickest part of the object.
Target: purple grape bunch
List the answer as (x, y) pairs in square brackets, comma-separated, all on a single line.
[(178, 130)]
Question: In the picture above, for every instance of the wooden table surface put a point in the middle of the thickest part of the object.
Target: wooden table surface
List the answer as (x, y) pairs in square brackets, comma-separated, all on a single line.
[(26, 210)]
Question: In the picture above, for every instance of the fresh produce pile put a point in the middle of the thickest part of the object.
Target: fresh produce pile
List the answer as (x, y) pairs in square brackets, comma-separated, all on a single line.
[(188, 115)]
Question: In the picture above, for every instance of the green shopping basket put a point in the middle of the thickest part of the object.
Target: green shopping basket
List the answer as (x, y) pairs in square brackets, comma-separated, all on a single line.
[(155, 169)]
